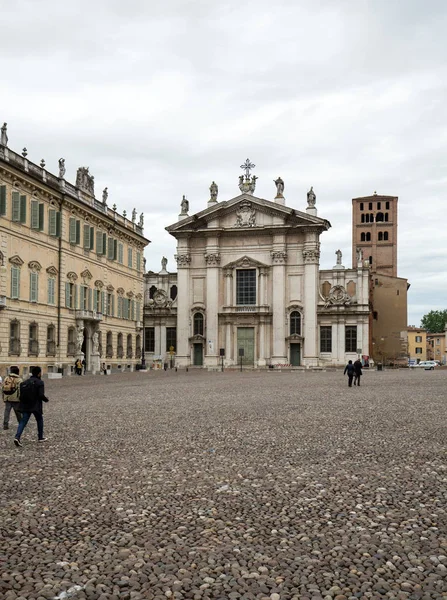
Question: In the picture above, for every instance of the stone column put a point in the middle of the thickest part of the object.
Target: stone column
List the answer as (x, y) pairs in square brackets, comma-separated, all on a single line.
[(279, 258), (183, 259), (212, 259), (228, 345), (311, 255), (163, 340), (263, 273), (228, 286), (261, 359)]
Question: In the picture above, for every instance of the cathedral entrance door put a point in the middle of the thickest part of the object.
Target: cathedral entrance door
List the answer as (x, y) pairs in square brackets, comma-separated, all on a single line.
[(295, 351), (198, 355), (246, 340)]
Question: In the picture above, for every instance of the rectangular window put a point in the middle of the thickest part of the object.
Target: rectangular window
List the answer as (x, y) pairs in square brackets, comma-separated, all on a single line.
[(33, 291), (2, 200), (112, 247), (418, 339), (109, 304), (54, 222), (149, 339), (246, 286), (99, 243), (129, 258), (74, 231), (138, 261), (37, 215), (171, 338), (351, 338), (120, 306), (326, 338), (438, 341), (18, 207), (15, 282), (120, 253), (418, 350), (86, 236), (51, 290)]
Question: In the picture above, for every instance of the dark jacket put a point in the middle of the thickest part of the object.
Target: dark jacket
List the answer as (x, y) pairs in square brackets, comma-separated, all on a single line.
[(35, 404), (358, 368), (350, 370)]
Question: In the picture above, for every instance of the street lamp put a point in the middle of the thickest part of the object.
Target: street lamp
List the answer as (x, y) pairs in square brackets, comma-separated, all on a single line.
[(143, 358)]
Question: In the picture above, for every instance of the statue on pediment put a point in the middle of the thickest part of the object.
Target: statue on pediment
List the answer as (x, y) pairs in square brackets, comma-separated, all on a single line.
[(184, 206), (311, 198), (4, 135), (279, 187), (61, 168), (85, 181), (214, 190)]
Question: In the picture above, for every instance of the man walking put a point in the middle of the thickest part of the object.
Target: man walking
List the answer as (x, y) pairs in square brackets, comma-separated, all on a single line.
[(10, 393), (349, 369), (32, 393), (357, 372)]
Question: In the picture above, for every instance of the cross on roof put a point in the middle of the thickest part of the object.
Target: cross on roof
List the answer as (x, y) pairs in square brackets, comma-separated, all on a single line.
[(247, 166)]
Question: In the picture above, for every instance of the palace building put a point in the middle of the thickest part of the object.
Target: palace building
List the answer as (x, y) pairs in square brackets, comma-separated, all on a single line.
[(249, 288), (71, 271)]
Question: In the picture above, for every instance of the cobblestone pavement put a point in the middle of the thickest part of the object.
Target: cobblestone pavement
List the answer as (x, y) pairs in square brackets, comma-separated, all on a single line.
[(227, 485)]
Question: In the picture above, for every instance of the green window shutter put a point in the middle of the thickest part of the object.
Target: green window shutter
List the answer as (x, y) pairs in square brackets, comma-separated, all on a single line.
[(23, 209), (103, 303), (113, 305), (120, 253), (129, 258), (52, 222), (51, 295), (99, 239), (58, 224), (78, 232), (120, 300), (34, 214), (115, 249), (15, 282), (138, 261), (110, 247), (90, 300), (95, 298), (138, 311), (72, 230), (75, 304), (33, 294), (15, 206), (67, 295), (92, 237), (82, 297), (2, 200), (41, 216), (132, 304), (104, 243), (86, 237)]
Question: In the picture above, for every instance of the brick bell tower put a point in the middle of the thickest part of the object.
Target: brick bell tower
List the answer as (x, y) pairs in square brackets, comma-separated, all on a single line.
[(374, 230)]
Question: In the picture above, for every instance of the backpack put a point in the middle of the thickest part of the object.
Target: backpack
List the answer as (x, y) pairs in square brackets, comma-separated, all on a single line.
[(28, 393), (10, 385)]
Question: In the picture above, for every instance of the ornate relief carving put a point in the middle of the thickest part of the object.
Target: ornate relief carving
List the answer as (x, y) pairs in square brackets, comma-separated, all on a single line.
[(245, 262), (228, 272), (71, 276), (279, 258), (337, 296), (120, 291), (35, 266), (85, 181), (86, 275), (130, 294), (52, 271), (99, 284), (16, 260), (139, 296), (110, 288), (160, 300), (245, 215), (183, 260), (312, 255), (212, 260)]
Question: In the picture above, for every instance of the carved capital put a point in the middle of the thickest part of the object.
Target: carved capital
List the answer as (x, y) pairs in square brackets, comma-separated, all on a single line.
[(312, 255), (279, 258), (183, 260), (212, 260)]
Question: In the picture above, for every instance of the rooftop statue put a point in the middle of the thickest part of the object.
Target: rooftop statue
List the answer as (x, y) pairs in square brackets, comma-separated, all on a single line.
[(311, 198), (214, 190), (279, 187), (61, 168), (4, 135), (105, 195), (184, 206)]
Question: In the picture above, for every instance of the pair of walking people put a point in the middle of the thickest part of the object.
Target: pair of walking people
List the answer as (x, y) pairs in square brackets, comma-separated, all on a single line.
[(354, 372), (25, 398)]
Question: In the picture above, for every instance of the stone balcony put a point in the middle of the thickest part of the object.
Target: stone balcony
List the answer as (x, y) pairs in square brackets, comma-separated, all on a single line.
[(88, 315)]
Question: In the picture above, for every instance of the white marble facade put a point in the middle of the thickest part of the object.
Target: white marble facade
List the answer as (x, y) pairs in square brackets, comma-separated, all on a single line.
[(248, 277)]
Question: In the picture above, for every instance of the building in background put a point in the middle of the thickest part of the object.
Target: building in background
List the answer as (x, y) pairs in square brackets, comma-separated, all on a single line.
[(436, 347), (71, 271), (374, 234), (416, 343), (250, 290)]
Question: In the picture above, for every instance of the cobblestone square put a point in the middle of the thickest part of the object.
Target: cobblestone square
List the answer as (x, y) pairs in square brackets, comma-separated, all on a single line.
[(254, 485)]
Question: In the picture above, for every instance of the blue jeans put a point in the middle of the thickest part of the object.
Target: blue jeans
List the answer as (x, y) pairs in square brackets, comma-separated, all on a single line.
[(24, 421)]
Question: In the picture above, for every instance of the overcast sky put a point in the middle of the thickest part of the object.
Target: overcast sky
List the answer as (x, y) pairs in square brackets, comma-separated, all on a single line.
[(159, 98)]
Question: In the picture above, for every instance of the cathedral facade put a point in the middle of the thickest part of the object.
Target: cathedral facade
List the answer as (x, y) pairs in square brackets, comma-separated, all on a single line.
[(249, 290)]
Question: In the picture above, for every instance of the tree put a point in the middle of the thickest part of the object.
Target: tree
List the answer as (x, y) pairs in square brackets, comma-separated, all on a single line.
[(434, 321)]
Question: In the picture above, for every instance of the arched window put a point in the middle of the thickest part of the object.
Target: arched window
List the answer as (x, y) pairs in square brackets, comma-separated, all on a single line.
[(152, 291), (379, 217), (368, 236), (33, 341), (295, 323), (362, 218), (119, 346), (386, 217), (380, 236), (362, 236), (138, 346), (367, 218), (361, 205), (129, 349), (385, 236), (51, 344), (198, 324), (109, 345), (173, 292), (71, 345)]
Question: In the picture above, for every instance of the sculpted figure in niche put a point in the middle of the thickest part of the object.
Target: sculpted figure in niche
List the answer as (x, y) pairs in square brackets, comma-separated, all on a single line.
[(79, 339), (311, 197), (184, 205), (95, 340), (61, 168)]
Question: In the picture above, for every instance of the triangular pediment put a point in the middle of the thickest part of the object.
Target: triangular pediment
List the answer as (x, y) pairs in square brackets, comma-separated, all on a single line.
[(246, 212), (245, 262)]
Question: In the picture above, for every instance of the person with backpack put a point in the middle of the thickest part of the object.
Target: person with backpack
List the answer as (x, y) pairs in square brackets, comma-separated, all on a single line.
[(10, 393), (32, 394), (349, 369)]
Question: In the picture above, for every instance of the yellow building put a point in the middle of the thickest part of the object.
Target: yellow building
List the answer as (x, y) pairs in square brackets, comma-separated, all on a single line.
[(416, 343), (71, 271), (436, 347)]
